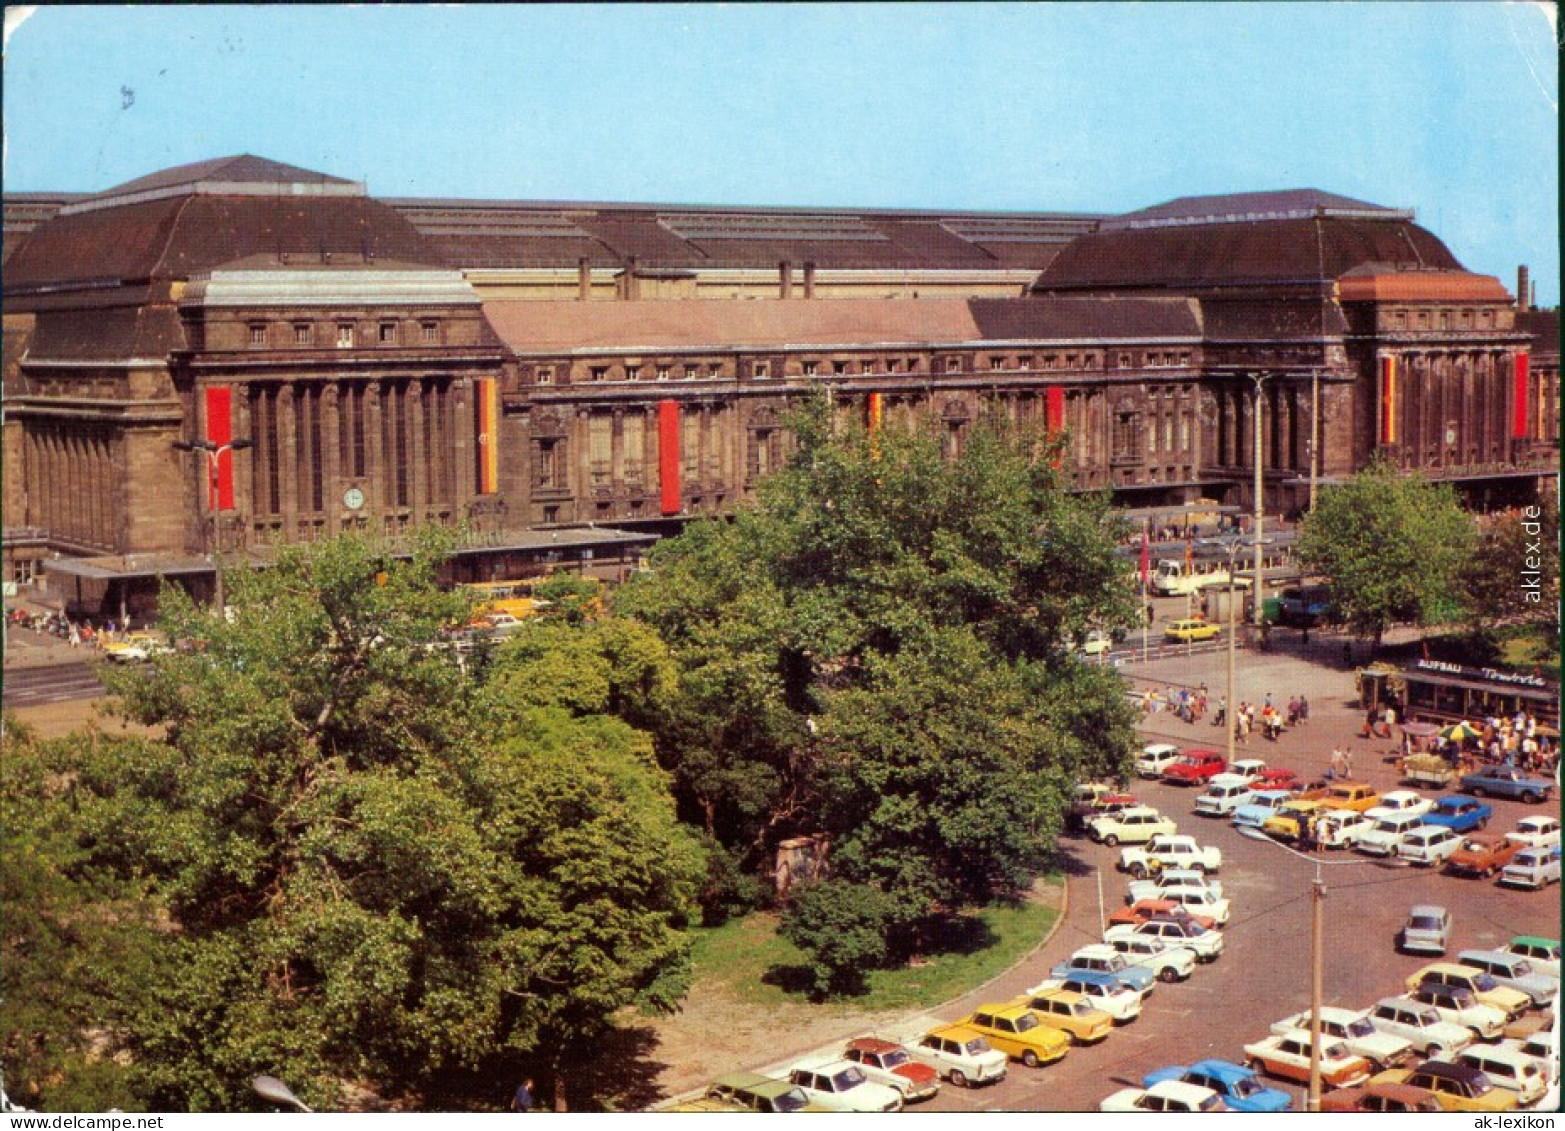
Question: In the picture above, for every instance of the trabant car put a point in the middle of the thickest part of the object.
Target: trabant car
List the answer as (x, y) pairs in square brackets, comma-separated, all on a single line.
[(1071, 1013), (1190, 630), (1118, 998), (1420, 1025), (1456, 1086), (1513, 1003), (1482, 854), (1195, 767), (1535, 832), (1238, 1086), (1016, 1031), (1171, 963), (1288, 1055), (1168, 1095), (1428, 845), (1353, 1028), (1533, 868), (1263, 804), (753, 1092), (1135, 825), (1544, 954), (888, 1063), (1457, 1005), (840, 1085), (963, 1056)]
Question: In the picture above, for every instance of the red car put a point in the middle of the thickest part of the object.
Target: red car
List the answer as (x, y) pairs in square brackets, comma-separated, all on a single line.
[(1275, 777), (1195, 767), (888, 1063), (1142, 910)]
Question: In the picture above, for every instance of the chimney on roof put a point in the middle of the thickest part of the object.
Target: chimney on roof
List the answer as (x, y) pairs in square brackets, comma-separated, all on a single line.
[(809, 280), (785, 279), (1523, 296), (632, 287), (583, 279)]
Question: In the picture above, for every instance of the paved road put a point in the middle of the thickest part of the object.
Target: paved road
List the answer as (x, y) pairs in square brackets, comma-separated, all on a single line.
[(1264, 974), (31, 687)]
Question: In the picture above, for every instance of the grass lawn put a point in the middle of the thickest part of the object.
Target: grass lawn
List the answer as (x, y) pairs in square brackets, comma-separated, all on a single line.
[(748, 959), (1522, 651)]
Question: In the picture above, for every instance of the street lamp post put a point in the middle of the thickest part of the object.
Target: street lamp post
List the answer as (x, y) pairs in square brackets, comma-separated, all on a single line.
[(1260, 379), (1317, 947), (214, 454), (1233, 630)]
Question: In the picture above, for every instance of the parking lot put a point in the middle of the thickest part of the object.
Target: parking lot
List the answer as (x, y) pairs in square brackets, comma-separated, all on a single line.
[(1263, 975)]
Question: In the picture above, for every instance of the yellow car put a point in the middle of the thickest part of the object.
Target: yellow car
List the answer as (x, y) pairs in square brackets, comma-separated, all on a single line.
[(1457, 1087), (1512, 1003), (1187, 630), (135, 646), (1287, 822), (1017, 1031), (1070, 1013)]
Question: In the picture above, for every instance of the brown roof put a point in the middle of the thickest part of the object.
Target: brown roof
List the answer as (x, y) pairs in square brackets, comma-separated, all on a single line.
[(1414, 286), (1544, 326), (1086, 318), (243, 168)]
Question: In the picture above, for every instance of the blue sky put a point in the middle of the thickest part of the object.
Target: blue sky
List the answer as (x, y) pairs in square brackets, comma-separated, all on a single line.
[(1448, 108)]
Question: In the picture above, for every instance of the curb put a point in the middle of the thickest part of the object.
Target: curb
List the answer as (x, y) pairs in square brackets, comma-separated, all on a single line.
[(1048, 937)]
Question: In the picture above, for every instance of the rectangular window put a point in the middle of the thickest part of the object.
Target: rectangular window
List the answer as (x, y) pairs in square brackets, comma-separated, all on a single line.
[(953, 364), (430, 332), (692, 372), (868, 365), (344, 335), (840, 368), (1124, 361), (1024, 362), (257, 333), (600, 372), (633, 437), (301, 334), (996, 364), (662, 373), (894, 365), (600, 448), (809, 368), (545, 375), (762, 369), (388, 333)]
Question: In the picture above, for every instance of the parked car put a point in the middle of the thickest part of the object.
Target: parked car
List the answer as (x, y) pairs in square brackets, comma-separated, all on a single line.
[(1016, 1031), (1263, 804), (1401, 801), (1385, 836), (1513, 972), (1535, 832), (1207, 945), (1457, 1005), (1288, 1055), (1291, 818), (1168, 1095), (1240, 1088), (1145, 909), (1116, 997), (1224, 794), (1155, 758), (135, 647), (1135, 825), (1508, 1068), (1190, 630), (753, 1092), (1544, 954), (1195, 767), (1101, 959), (1507, 781), (1340, 828), (1428, 845), (1482, 854), (1456, 1086), (1072, 1014), (1543, 1050), (1420, 1025), (1354, 1029), (1169, 962), (1459, 814), (1428, 929), (1513, 1003), (1167, 850), (1533, 868), (1165, 880), (1353, 795), (961, 1055), (1202, 903), (888, 1063), (840, 1085), (1386, 1098), (1276, 777), (1094, 799)]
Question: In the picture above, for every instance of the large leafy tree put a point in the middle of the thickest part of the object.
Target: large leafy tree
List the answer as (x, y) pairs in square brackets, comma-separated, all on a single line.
[(873, 649), (1392, 546), (370, 876), (1514, 571)]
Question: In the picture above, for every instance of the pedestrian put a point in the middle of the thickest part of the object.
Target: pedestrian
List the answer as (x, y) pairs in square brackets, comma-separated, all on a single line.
[(1347, 763), (523, 1100), (1304, 709)]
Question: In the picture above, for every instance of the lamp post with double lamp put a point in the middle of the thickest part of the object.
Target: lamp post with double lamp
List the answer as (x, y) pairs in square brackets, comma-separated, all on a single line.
[(214, 453), (1317, 944)]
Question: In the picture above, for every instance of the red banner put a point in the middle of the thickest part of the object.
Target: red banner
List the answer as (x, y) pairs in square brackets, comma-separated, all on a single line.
[(220, 432), (1388, 400), (1519, 422), (1055, 409), (668, 455)]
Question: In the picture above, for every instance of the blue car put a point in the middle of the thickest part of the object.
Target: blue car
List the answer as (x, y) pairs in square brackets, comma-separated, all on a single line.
[(1507, 781), (1260, 808), (1240, 1088), (1138, 978), (1459, 814)]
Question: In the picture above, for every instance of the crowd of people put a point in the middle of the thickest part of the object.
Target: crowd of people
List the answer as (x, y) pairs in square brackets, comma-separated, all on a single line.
[(78, 634), (1191, 705)]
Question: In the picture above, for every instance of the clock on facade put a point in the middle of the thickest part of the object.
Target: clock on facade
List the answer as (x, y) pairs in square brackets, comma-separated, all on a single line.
[(353, 498)]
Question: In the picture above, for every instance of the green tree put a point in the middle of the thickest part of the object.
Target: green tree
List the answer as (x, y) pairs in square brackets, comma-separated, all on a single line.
[(1513, 573), (842, 927), (370, 876), (1391, 545)]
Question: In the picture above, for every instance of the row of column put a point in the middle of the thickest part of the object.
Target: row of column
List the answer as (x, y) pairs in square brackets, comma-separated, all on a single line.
[(73, 488), (1457, 406)]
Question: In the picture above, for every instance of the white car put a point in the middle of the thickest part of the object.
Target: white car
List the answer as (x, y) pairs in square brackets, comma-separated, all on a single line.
[(1201, 902), (1118, 999), (1542, 1047), (1341, 828), (1247, 768), (1170, 880), (1287, 1054), (1429, 845), (1544, 954), (1533, 868), (1401, 801), (840, 1085), (1169, 963), (1457, 1005), (1535, 832), (1170, 851), (960, 1055), (1353, 1028), (1384, 836), (1509, 1069), (1136, 825), (1155, 758), (1207, 945), (1165, 1095), (1224, 794), (1421, 1025)]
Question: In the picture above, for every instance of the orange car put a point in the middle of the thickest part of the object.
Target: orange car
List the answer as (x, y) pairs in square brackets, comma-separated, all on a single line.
[(1482, 854), (1144, 909)]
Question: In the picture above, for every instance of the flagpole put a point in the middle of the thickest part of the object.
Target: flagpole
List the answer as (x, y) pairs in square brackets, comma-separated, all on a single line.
[(1146, 620)]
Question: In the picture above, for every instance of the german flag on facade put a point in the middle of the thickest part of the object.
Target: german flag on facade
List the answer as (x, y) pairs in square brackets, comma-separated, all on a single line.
[(486, 429)]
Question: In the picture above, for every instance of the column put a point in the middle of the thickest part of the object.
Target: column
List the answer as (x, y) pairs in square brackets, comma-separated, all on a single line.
[(382, 491), (418, 458), (284, 429), (331, 457)]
